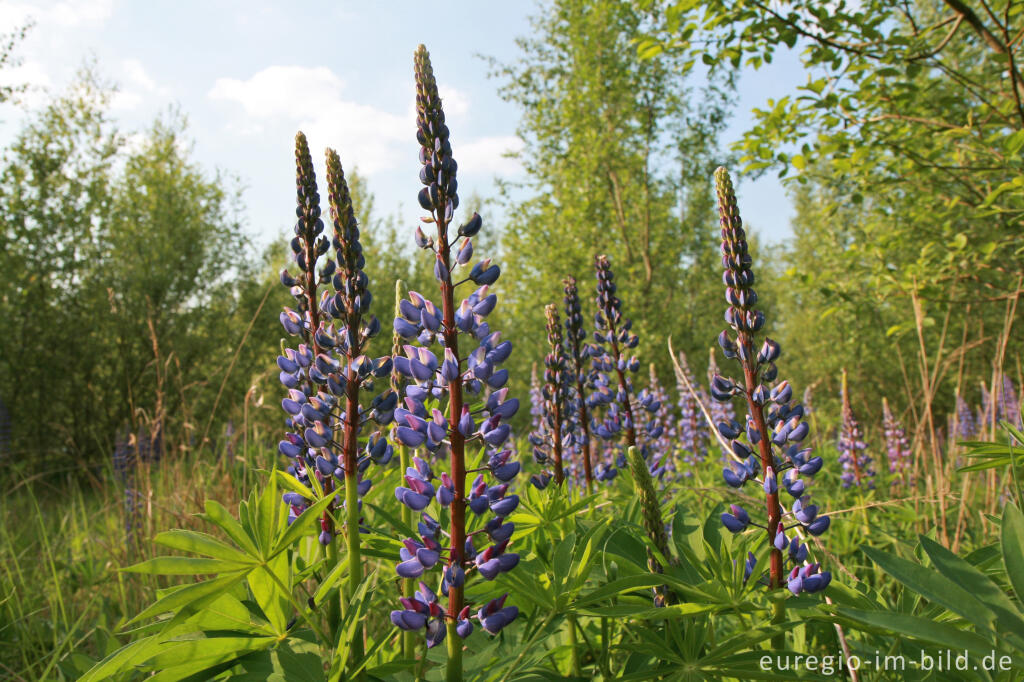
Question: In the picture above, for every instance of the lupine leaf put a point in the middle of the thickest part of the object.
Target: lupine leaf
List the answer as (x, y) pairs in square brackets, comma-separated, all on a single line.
[(563, 557), (180, 565), (194, 655), (646, 611), (187, 595), (1013, 547), (301, 525), (268, 592), (219, 516), (934, 587), (200, 543), (340, 569), (918, 628), (620, 587), (979, 584), (139, 650)]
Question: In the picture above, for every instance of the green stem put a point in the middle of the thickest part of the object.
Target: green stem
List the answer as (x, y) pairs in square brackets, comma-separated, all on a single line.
[(574, 654), (453, 673), (779, 616), (355, 566), (334, 604)]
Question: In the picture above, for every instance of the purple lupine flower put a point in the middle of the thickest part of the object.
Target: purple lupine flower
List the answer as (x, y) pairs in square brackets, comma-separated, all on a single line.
[(578, 351), (720, 410), (693, 430), (536, 401), (1008, 403), (125, 463), (628, 414), (467, 363), (556, 426), (857, 467), (774, 426), (897, 447), (964, 427), (327, 372), (664, 446)]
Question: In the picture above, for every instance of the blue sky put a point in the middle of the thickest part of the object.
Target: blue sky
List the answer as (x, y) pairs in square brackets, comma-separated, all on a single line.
[(249, 74)]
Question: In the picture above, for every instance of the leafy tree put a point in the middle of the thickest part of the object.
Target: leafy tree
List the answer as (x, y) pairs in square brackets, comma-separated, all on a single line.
[(619, 153), (123, 280)]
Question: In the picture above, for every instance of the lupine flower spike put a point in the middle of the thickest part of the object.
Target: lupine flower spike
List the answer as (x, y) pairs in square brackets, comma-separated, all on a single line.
[(579, 351), (326, 374), (470, 359), (667, 443), (897, 448), (614, 339), (773, 430), (555, 392), (857, 468), (693, 434)]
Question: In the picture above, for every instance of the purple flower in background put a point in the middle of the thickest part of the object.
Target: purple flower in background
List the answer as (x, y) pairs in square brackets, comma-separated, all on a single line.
[(582, 376), (555, 437), (774, 431), (897, 448), (964, 427), (693, 429), (536, 401), (628, 415), (857, 467), (720, 410)]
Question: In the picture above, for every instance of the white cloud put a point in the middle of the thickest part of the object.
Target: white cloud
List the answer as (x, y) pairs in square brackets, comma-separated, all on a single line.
[(487, 154), (455, 102), (82, 12), (67, 14), (136, 74), (281, 99), (311, 99)]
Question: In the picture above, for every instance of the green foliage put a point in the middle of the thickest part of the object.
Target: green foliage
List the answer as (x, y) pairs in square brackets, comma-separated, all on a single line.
[(123, 289), (618, 154), (970, 604)]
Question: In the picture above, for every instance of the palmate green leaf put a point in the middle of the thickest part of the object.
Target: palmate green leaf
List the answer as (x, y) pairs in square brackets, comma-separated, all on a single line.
[(585, 553), (301, 525), (330, 580), (646, 611), (934, 587), (525, 586), (563, 557), (266, 585), (293, 659), (179, 658), (979, 585), (189, 594), (1012, 540), (180, 565), (201, 543), (126, 656), (916, 628), (219, 516), (620, 587), (292, 484), (269, 513)]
